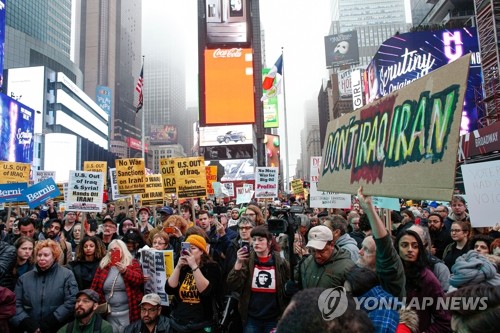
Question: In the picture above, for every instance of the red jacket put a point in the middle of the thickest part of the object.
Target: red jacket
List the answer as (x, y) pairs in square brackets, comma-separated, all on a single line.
[(133, 278)]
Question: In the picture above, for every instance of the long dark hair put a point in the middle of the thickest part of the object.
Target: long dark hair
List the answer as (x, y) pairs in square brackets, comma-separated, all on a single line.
[(413, 271), (100, 249)]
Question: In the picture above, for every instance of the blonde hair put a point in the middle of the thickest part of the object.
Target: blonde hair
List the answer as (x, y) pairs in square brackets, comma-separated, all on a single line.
[(125, 259), (52, 245)]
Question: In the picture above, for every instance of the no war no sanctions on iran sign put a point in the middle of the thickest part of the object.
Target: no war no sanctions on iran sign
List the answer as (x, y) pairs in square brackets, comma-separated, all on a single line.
[(403, 145)]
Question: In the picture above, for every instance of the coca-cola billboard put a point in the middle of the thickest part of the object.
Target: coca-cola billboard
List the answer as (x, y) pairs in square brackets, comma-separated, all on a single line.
[(229, 87), (231, 53)]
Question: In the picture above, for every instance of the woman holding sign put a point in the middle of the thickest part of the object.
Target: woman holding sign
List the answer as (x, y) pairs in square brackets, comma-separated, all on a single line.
[(118, 281)]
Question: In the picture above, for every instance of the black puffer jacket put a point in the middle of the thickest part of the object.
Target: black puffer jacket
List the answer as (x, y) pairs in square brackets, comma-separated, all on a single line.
[(8, 259), (163, 326)]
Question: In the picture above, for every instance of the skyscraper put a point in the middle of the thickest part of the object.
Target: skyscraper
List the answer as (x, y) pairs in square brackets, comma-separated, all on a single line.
[(110, 55), (374, 20)]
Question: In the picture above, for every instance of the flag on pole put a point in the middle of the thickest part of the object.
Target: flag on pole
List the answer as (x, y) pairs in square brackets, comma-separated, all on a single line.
[(272, 81), (138, 88)]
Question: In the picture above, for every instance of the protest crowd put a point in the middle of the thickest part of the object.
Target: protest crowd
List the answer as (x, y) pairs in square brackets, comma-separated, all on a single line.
[(69, 271)]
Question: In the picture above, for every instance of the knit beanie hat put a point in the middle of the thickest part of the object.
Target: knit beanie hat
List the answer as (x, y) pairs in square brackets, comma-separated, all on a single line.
[(198, 241), (473, 268)]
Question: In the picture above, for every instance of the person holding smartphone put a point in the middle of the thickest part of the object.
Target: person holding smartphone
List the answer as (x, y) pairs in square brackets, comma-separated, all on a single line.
[(118, 281), (195, 282)]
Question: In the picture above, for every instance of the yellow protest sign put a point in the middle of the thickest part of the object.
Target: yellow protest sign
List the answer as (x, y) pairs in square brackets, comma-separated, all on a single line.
[(131, 175), (190, 177), (168, 175), (211, 173), (97, 166), (297, 186), (60, 197), (13, 172), (154, 191)]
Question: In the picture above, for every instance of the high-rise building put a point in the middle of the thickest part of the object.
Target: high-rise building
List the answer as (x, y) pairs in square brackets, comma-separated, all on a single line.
[(38, 33), (374, 20), (110, 55)]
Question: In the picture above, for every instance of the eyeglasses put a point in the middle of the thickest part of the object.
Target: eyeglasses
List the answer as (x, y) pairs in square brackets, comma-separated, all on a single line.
[(245, 228), (150, 310), (456, 230)]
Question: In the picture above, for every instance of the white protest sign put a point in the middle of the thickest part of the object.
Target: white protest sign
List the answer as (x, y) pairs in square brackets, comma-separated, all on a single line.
[(266, 182), (115, 194), (482, 185), (243, 195), (158, 265), (319, 199), (85, 191), (387, 203), (41, 175), (230, 188), (220, 190)]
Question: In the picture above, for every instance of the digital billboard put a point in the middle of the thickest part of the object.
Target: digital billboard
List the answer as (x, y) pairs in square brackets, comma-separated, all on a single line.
[(404, 58), (227, 152), (2, 38), (163, 135), (342, 49), (227, 22), (229, 87), (16, 131), (226, 135), (270, 107), (272, 143)]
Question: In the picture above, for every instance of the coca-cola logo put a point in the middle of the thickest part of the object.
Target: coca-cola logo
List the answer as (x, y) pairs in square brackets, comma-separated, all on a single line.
[(230, 53)]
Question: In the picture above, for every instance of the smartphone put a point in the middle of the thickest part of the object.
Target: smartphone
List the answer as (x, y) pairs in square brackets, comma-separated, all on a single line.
[(185, 248), (115, 256), (245, 245), (169, 230)]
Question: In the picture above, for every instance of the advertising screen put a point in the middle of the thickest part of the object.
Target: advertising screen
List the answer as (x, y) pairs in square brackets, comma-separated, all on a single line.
[(342, 49), (163, 135), (226, 135), (103, 98), (404, 58), (16, 131), (2, 36), (229, 91)]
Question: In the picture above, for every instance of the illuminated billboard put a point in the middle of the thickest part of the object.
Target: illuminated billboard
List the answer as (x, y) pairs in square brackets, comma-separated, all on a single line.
[(227, 22), (227, 152), (16, 131), (229, 87), (2, 37), (342, 49), (270, 107), (272, 143), (226, 135), (163, 135), (404, 58), (103, 97)]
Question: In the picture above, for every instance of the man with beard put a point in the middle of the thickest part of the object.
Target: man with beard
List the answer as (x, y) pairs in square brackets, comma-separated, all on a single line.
[(54, 232), (151, 318), (86, 320), (440, 236)]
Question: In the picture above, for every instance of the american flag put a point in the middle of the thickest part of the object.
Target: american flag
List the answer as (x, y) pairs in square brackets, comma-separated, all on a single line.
[(138, 88)]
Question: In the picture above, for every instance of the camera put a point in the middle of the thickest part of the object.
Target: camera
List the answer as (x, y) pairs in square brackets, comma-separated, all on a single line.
[(282, 218)]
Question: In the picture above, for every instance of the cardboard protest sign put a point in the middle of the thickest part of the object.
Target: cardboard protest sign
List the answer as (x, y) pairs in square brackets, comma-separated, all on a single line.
[(167, 166), (266, 182), (404, 145), (13, 172), (39, 193), (158, 265), (131, 175), (482, 185), (12, 192), (319, 199), (97, 166), (297, 186), (154, 191), (211, 174), (190, 177), (85, 191), (63, 189), (41, 175), (244, 195)]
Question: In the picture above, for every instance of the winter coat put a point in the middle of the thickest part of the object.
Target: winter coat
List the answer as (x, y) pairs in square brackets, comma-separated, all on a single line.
[(163, 326), (8, 259), (329, 275), (240, 281), (389, 267), (41, 294), (133, 279), (349, 244)]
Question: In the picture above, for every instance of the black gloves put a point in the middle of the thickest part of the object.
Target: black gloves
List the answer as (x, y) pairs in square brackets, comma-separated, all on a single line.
[(49, 324), (291, 287), (29, 325)]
